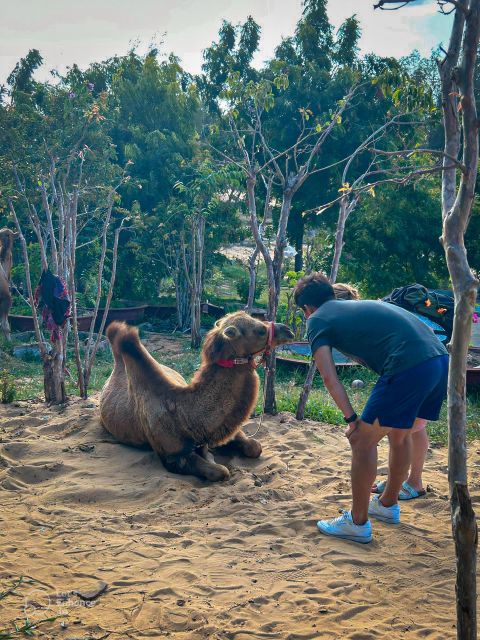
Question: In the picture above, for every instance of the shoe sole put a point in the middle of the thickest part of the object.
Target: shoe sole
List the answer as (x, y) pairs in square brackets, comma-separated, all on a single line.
[(361, 540), (384, 518)]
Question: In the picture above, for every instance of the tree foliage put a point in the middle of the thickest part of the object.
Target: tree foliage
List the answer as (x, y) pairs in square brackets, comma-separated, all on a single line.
[(148, 113)]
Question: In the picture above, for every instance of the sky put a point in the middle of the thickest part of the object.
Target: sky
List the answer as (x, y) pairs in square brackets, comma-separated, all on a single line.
[(83, 31)]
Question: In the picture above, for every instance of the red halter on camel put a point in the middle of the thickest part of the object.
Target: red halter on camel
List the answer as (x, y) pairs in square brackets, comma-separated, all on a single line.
[(265, 352)]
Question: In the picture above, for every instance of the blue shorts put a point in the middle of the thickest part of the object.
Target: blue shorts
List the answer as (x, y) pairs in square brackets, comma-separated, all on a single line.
[(417, 392)]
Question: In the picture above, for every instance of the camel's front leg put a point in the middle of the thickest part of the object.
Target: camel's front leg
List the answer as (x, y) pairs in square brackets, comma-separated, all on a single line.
[(242, 444), (194, 465)]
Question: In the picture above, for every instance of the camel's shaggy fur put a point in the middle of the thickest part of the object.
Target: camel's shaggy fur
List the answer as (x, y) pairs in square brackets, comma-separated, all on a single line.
[(6, 246), (146, 403)]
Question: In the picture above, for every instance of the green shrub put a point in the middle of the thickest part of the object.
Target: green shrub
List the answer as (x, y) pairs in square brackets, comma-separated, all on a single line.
[(8, 390), (242, 286)]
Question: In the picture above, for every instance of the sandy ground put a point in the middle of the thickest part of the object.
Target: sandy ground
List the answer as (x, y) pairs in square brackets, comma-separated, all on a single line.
[(180, 558)]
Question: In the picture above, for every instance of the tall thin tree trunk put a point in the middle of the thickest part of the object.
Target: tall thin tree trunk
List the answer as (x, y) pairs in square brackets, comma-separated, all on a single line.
[(196, 321), (270, 370), (342, 218), (183, 298), (344, 211), (198, 249), (457, 72), (53, 375), (270, 398), (307, 387), (252, 270)]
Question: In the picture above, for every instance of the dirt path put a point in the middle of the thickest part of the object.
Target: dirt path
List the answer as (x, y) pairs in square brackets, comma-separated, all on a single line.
[(184, 559)]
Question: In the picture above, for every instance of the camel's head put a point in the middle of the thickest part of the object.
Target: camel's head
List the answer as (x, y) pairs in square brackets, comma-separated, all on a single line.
[(238, 335)]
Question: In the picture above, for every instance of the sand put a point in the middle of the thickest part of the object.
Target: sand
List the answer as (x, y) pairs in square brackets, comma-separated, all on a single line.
[(181, 558)]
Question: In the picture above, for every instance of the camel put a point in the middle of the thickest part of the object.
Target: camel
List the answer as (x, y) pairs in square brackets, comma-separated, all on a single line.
[(6, 245), (147, 403)]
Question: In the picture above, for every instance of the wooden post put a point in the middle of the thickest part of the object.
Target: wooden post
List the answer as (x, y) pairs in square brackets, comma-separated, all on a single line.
[(465, 534), (307, 387), (457, 71)]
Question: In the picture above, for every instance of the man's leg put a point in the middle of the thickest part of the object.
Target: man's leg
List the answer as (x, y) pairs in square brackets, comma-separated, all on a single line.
[(420, 445), (398, 465), (363, 441)]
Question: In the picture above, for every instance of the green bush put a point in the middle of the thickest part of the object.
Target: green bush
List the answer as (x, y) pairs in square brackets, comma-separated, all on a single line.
[(8, 390), (242, 286)]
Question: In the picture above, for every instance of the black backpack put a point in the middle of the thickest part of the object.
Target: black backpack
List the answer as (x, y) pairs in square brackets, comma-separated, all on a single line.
[(438, 306)]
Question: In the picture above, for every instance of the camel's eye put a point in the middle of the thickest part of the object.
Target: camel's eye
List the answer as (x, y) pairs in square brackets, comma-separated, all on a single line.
[(231, 332), (262, 331)]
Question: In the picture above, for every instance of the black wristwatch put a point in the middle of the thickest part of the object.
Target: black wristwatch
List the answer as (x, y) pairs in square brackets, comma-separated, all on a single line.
[(352, 418)]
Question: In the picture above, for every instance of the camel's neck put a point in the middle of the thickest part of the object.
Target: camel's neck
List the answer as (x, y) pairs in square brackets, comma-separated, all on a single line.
[(227, 398)]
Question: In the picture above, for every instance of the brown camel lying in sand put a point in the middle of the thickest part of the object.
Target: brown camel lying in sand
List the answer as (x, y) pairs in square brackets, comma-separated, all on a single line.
[(146, 403), (6, 246)]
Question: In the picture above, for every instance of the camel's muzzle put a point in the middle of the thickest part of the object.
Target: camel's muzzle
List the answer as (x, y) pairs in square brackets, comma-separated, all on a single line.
[(282, 334)]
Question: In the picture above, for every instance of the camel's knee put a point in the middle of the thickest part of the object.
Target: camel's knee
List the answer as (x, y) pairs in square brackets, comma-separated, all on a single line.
[(195, 465), (216, 473), (240, 443), (251, 448)]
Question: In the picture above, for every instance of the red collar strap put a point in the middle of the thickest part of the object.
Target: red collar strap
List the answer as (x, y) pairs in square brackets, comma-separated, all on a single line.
[(229, 364), (270, 334)]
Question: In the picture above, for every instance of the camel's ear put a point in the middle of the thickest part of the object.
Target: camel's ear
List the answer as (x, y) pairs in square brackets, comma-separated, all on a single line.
[(212, 346), (231, 332)]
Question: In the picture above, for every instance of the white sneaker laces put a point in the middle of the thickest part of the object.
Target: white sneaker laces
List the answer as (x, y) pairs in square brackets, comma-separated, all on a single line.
[(343, 518)]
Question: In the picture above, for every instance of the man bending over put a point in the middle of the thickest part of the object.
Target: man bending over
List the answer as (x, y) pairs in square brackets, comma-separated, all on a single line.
[(413, 368)]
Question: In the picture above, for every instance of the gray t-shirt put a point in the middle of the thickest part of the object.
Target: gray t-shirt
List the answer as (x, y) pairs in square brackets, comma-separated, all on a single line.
[(381, 336)]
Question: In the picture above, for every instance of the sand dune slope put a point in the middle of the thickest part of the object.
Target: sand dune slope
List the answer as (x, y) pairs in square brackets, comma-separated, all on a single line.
[(184, 559)]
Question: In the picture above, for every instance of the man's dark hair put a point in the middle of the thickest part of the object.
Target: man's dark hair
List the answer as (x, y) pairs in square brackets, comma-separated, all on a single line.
[(313, 290)]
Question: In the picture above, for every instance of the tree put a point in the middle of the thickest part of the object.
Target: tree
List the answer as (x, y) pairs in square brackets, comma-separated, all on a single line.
[(154, 113), (59, 177), (201, 197), (287, 169), (312, 80), (457, 76)]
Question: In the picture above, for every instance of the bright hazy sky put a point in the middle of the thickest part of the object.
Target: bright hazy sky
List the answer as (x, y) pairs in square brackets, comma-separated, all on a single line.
[(82, 31)]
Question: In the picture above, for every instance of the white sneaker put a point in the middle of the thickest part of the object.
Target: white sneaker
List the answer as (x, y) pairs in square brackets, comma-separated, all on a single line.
[(344, 527), (385, 514)]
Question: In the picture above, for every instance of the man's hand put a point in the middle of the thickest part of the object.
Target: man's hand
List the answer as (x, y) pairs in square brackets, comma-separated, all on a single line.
[(353, 426)]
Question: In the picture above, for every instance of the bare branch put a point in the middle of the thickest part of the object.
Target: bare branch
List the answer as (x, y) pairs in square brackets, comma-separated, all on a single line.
[(88, 367), (434, 152), (401, 180), (381, 4), (28, 278)]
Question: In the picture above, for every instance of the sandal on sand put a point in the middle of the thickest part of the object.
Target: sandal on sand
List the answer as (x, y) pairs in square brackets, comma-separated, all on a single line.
[(407, 492), (379, 487)]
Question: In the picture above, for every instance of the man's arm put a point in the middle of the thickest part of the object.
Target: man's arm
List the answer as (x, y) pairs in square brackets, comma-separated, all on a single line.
[(326, 366)]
